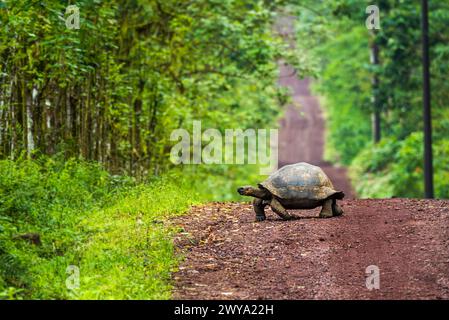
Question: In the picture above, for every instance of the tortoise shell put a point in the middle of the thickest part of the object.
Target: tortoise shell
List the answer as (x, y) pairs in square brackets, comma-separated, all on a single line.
[(300, 181)]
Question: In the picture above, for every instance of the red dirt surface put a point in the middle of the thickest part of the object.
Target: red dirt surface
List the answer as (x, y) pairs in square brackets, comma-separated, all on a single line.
[(229, 256)]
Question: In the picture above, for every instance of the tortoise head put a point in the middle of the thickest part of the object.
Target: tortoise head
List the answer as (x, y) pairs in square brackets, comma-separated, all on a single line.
[(257, 192)]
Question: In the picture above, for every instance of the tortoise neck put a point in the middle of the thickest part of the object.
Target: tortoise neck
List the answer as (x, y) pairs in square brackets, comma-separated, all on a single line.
[(261, 193)]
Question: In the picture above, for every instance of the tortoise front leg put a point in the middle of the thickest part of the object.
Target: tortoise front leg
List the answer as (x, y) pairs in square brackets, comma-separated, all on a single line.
[(277, 207), (259, 208)]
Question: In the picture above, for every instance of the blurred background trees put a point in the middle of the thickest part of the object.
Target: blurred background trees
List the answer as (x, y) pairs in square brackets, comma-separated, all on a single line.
[(334, 34), (113, 90)]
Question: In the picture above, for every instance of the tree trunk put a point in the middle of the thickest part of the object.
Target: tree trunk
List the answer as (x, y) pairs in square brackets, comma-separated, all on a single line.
[(31, 102)]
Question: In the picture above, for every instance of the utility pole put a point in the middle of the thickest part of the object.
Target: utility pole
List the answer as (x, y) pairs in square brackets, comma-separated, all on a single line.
[(428, 165), (375, 99)]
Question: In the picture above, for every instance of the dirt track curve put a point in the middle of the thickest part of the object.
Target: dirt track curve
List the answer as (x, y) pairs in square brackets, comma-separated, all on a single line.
[(229, 256)]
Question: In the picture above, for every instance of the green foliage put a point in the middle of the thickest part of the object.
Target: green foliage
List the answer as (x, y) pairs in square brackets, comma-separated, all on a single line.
[(340, 45), (395, 169), (114, 230), (346, 101), (220, 182), (115, 89)]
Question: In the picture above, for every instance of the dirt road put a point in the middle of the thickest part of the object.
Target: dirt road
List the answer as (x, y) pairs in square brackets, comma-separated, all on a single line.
[(229, 256)]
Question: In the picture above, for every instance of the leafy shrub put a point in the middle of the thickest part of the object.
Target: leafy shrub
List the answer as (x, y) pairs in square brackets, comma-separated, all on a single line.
[(395, 168)]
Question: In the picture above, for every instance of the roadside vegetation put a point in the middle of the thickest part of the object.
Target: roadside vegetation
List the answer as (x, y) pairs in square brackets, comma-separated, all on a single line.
[(57, 214), (334, 35)]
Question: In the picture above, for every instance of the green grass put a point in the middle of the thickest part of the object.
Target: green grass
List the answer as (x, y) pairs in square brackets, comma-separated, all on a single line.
[(130, 253), (114, 230)]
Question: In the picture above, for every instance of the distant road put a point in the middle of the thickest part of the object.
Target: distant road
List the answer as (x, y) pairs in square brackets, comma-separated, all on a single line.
[(301, 135)]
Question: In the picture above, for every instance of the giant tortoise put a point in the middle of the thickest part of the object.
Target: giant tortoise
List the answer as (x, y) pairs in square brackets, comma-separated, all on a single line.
[(296, 186)]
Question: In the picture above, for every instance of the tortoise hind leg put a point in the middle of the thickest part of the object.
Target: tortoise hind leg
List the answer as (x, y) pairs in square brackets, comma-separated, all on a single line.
[(259, 209), (326, 211), (336, 209), (330, 209), (277, 207)]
